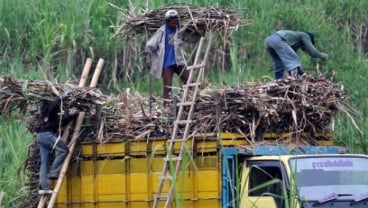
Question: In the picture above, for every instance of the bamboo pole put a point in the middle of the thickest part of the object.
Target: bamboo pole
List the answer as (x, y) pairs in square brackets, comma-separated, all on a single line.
[(74, 139), (85, 73), (97, 73), (82, 82), (42, 201)]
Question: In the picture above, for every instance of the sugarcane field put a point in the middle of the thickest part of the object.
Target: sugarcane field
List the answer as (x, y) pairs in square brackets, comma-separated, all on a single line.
[(189, 110)]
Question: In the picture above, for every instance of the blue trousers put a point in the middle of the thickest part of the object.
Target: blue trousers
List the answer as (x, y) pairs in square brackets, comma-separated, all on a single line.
[(283, 56), (50, 166)]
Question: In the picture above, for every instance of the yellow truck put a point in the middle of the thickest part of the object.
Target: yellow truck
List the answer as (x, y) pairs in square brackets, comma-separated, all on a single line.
[(221, 170)]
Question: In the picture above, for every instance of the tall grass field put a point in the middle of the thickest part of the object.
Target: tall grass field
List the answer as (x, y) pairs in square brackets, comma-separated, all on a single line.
[(14, 140), (52, 38)]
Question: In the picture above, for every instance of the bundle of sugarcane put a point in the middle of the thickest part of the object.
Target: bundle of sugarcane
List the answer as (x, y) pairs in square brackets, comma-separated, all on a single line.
[(278, 106), (17, 94), (195, 20), (128, 115), (123, 116), (284, 105)]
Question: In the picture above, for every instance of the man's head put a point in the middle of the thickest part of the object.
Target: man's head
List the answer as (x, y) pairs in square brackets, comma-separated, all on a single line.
[(171, 17)]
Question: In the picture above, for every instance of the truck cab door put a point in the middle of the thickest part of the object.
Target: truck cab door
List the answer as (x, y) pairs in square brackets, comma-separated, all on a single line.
[(263, 183)]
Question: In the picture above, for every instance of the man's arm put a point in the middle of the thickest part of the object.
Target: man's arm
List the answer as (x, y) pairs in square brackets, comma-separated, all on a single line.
[(68, 118), (152, 46), (309, 47), (153, 42)]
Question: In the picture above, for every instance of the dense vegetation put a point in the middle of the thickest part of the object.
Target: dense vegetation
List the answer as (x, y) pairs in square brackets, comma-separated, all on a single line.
[(52, 38)]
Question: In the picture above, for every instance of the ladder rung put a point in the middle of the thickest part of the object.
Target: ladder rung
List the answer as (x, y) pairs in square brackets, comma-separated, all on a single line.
[(192, 85), (184, 103), (196, 66), (172, 158), (162, 197), (183, 121), (167, 177)]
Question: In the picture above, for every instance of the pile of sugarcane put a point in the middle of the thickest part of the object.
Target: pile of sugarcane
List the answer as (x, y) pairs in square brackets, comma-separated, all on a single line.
[(18, 94), (285, 105), (305, 105), (195, 20)]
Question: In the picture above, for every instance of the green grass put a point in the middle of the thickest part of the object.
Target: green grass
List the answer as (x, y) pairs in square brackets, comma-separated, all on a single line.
[(14, 139)]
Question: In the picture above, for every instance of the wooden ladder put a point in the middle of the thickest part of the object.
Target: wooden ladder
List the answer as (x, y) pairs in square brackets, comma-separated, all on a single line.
[(196, 72), (46, 198)]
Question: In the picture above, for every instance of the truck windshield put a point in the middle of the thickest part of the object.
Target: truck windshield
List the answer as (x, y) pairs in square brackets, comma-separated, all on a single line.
[(318, 176)]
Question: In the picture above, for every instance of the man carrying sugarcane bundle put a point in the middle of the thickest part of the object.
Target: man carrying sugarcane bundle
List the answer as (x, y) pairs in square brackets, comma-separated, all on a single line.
[(282, 46), (164, 54), (50, 119)]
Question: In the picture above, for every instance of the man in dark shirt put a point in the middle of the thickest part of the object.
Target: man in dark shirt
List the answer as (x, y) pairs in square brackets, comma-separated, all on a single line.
[(282, 46), (50, 120)]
